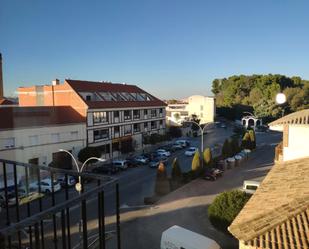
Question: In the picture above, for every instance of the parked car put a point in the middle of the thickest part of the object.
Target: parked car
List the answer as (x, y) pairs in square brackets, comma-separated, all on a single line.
[(215, 172), (141, 160), (209, 176), (250, 186), (131, 162), (121, 164), (191, 151), (46, 185), (105, 169), (162, 152), (176, 146), (184, 143), (71, 180)]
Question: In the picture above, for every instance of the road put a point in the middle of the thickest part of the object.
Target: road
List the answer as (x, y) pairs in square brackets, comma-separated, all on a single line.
[(137, 183)]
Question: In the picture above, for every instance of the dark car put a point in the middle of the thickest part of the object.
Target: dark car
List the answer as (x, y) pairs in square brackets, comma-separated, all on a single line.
[(105, 169), (209, 176), (131, 162), (216, 172)]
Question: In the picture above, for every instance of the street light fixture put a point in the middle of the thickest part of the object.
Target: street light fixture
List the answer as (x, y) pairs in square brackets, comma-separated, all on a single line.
[(202, 136), (78, 185), (281, 99)]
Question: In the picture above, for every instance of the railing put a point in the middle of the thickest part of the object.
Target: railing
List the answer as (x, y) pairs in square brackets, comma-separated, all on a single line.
[(49, 220), (279, 152)]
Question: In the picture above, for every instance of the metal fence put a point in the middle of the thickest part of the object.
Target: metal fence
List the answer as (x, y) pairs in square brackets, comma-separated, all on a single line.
[(39, 218)]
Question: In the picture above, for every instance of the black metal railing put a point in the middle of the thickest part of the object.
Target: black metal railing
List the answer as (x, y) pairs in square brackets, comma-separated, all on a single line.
[(39, 219)]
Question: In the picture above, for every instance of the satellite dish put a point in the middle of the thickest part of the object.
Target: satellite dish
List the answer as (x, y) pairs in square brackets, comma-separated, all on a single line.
[(280, 98)]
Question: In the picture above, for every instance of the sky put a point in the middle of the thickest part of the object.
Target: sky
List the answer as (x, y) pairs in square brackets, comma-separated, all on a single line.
[(170, 48)]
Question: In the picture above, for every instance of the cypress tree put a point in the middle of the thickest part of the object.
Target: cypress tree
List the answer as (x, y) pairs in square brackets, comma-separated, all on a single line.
[(176, 174), (162, 186), (196, 165), (207, 157)]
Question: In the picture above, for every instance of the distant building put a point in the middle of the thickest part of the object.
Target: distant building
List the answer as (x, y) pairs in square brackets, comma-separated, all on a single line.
[(295, 128), (116, 114), (3, 101), (204, 108), (35, 135)]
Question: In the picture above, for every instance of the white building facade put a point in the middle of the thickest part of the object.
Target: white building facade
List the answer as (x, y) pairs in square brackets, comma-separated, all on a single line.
[(204, 108)]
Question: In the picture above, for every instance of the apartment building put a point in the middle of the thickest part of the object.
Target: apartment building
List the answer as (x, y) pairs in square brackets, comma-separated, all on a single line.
[(202, 107), (115, 114), (35, 135)]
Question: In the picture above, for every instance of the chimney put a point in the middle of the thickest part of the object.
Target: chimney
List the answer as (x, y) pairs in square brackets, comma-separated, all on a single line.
[(1, 78), (56, 82)]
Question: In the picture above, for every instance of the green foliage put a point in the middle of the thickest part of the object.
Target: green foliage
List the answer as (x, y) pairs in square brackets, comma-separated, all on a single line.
[(225, 208), (88, 152), (194, 126), (207, 157), (252, 138), (162, 185), (246, 142), (196, 164), (258, 92), (155, 138), (227, 150), (176, 175), (235, 145)]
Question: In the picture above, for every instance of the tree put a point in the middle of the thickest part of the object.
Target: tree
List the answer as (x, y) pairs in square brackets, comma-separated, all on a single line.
[(226, 207), (207, 157), (196, 165), (177, 116), (252, 139), (196, 121), (174, 131), (227, 149), (246, 141), (88, 152), (176, 174), (235, 145), (162, 185)]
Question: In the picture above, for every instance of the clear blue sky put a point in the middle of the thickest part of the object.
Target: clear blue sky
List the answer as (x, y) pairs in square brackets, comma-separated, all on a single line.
[(171, 48)]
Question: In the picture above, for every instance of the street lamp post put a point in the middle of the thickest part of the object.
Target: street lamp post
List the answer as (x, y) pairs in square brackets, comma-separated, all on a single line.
[(78, 185), (202, 136)]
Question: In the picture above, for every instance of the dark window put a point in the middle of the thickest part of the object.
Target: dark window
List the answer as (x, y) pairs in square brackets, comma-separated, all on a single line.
[(153, 113), (127, 129), (136, 128), (88, 98), (100, 117), (127, 115), (145, 124), (153, 125), (136, 114), (100, 134), (161, 122), (116, 129), (145, 112), (161, 110), (116, 114)]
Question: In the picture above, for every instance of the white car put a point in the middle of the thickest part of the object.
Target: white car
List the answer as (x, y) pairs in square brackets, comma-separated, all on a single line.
[(250, 187), (162, 152), (46, 185), (121, 164), (191, 151)]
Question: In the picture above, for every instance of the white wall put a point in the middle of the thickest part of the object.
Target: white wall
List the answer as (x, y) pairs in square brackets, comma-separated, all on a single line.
[(297, 142), (203, 107), (24, 150)]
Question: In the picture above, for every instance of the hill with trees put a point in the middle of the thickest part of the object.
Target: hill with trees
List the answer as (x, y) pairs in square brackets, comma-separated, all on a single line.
[(256, 93)]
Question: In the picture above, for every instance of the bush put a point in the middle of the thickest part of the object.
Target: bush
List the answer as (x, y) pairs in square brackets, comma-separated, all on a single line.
[(226, 207), (246, 142), (235, 145), (88, 152), (174, 131), (207, 157), (196, 164), (253, 139), (227, 149)]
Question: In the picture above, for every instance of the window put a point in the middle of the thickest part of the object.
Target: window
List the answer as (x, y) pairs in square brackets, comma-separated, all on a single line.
[(116, 114), (55, 137), (146, 125), (9, 142), (153, 113), (127, 129), (100, 117), (88, 98), (145, 112), (153, 125), (161, 110), (161, 122), (116, 129), (101, 134), (136, 127), (201, 115), (127, 115), (136, 114), (34, 140), (74, 135)]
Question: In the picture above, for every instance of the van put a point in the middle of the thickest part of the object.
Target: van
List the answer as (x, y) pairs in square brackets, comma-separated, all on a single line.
[(180, 238), (250, 186)]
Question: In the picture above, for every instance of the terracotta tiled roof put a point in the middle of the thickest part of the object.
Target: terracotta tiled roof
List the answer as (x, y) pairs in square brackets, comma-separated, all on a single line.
[(90, 86), (6, 102), (281, 199), (300, 117), (26, 117)]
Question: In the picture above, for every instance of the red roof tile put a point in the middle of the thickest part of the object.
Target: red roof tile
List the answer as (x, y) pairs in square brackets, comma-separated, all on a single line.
[(34, 116), (90, 86)]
